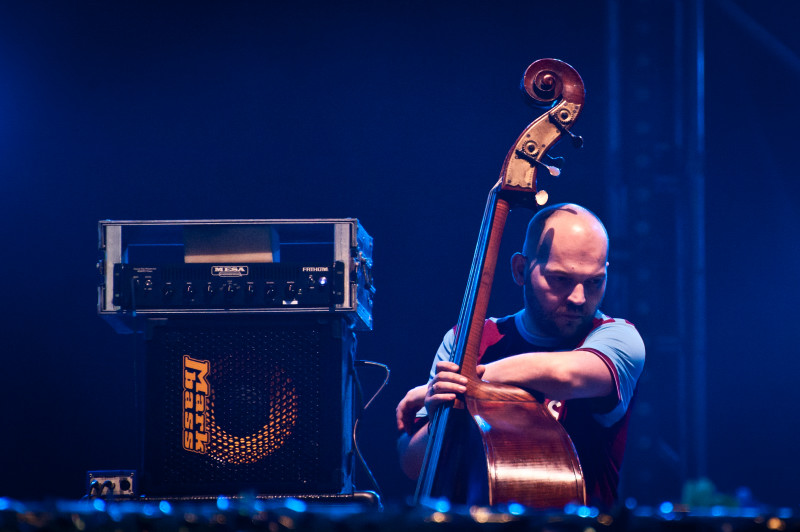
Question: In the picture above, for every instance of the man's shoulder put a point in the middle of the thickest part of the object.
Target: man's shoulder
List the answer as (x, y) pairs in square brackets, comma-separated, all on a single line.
[(504, 324), (614, 336), (495, 329), (603, 320)]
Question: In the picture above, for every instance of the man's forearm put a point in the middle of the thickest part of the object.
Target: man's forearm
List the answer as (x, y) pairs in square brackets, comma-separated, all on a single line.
[(558, 375)]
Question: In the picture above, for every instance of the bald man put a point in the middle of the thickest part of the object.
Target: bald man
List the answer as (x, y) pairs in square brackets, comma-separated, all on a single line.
[(560, 344)]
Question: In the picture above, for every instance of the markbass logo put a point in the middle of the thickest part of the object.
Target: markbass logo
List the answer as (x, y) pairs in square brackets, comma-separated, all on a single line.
[(195, 405), (203, 435)]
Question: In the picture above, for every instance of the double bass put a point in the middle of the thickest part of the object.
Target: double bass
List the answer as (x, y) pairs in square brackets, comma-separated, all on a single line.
[(530, 458)]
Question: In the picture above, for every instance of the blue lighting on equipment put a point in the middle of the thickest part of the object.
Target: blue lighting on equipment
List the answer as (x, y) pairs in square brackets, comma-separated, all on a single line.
[(666, 508), (165, 507), (296, 505), (516, 509), (483, 424), (223, 503), (442, 505), (149, 510), (115, 513), (99, 505)]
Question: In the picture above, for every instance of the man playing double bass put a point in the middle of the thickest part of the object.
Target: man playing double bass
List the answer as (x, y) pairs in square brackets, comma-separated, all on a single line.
[(560, 345)]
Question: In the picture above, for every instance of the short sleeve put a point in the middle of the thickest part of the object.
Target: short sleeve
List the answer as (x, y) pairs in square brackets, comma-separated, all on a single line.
[(620, 346)]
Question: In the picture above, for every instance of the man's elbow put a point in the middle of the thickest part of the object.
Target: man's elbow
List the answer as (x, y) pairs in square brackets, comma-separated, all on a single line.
[(577, 383), (411, 450), (411, 470), (405, 454)]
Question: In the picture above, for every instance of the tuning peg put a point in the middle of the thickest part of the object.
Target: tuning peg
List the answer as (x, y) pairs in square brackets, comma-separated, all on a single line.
[(557, 162), (577, 140), (554, 170), (529, 152)]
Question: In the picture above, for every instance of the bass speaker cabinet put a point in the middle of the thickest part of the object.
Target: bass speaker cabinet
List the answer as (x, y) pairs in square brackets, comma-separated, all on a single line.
[(236, 405)]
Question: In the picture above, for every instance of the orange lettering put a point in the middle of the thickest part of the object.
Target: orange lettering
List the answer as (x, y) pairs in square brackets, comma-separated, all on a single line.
[(198, 382), (188, 380), (200, 443), (188, 440), (195, 391), (200, 422), (188, 400), (199, 403)]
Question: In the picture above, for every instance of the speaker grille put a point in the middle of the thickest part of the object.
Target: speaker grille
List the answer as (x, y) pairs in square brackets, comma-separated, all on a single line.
[(273, 414)]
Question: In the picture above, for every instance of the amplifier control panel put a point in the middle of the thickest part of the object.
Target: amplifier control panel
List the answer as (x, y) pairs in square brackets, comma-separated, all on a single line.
[(227, 286)]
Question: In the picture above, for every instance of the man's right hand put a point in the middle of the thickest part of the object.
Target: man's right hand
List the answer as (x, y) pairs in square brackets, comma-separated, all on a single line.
[(408, 407), (445, 385)]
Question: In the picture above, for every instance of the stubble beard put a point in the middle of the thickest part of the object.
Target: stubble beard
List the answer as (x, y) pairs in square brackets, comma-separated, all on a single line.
[(548, 322)]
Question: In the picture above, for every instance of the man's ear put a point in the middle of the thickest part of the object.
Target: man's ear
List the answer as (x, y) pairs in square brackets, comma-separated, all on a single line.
[(519, 268)]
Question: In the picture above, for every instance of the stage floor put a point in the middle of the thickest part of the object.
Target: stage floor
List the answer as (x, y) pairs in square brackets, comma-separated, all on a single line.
[(366, 514)]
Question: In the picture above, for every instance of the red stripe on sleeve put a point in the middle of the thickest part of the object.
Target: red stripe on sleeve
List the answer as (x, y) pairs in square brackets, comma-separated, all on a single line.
[(608, 363)]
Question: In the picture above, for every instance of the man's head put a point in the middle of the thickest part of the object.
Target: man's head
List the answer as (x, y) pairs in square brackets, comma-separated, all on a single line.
[(562, 268)]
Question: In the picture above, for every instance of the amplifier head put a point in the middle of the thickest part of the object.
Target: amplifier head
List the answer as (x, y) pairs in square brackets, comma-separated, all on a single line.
[(153, 268)]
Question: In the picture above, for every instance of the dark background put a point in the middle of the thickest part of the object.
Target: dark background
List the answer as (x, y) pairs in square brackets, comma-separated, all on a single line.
[(398, 114)]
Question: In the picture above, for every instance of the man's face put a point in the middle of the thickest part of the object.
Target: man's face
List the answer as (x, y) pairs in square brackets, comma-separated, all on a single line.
[(564, 288)]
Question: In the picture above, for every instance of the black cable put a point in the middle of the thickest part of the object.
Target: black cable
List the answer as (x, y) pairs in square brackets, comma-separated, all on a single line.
[(93, 486), (355, 424), (108, 487)]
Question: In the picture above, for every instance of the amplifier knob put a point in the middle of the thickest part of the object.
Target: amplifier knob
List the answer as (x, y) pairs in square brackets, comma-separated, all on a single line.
[(209, 291), (168, 290), (251, 291), (229, 291), (271, 292), (188, 291), (290, 291)]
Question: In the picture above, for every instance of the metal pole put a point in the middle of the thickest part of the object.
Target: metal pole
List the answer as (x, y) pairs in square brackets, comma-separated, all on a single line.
[(698, 189)]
